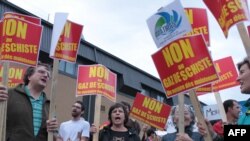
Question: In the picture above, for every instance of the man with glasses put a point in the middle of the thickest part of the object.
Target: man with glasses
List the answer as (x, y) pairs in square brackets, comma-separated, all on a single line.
[(76, 129), (28, 107)]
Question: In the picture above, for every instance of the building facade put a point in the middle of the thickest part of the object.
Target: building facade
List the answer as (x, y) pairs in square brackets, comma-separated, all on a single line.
[(130, 79)]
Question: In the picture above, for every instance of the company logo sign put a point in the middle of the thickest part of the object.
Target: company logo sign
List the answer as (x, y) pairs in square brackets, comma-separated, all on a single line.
[(167, 23)]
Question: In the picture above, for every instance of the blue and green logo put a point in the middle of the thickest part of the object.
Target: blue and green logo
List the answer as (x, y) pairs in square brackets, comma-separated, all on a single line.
[(167, 23)]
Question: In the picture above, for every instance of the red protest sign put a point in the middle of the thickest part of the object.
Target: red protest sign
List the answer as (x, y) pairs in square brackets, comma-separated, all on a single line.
[(204, 89), (227, 74), (96, 79), (184, 64), (32, 19), (20, 41), (227, 12), (15, 75), (67, 46), (199, 22), (150, 111)]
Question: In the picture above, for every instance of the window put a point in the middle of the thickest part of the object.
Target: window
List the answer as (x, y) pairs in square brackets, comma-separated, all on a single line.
[(152, 93), (62, 65), (160, 98), (70, 68)]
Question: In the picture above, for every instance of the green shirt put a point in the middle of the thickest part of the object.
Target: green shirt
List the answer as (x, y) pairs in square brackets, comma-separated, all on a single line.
[(37, 106), (245, 118)]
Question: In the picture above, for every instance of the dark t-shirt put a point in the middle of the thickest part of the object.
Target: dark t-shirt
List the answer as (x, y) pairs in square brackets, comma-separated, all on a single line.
[(119, 136)]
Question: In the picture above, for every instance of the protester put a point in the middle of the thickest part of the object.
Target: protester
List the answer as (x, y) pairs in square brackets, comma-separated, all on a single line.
[(232, 109), (117, 130), (28, 107), (132, 123), (244, 80), (189, 121), (76, 129)]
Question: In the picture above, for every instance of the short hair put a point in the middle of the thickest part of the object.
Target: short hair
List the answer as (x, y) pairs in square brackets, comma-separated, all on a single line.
[(190, 110), (126, 104), (245, 61), (82, 106), (228, 104), (30, 71), (118, 105), (150, 131)]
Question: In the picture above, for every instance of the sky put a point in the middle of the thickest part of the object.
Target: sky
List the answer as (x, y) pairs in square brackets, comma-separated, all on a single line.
[(119, 27)]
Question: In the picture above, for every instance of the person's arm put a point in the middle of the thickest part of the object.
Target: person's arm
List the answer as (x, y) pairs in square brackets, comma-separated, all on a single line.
[(203, 132), (52, 126), (3, 93)]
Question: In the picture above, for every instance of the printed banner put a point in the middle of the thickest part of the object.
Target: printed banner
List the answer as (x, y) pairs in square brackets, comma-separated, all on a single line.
[(184, 64), (96, 79), (227, 74), (168, 24), (15, 75), (204, 90), (67, 46), (199, 22), (228, 12), (20, 41), (150, 111), (32, 19)]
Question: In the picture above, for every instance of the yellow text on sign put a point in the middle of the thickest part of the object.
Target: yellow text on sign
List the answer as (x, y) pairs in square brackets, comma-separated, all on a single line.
[(230, 7), (99, 71), (67, 29), (177, 51), (14, 73), (12, 27), (190, 15), (152, 105)]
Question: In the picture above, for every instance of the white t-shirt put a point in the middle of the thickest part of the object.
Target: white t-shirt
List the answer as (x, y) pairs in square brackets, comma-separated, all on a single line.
[(73, 130)]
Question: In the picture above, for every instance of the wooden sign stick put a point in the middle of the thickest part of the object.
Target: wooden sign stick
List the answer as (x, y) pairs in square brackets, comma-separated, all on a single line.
[(53, 95), (181, 113), (3, 105), (196, 104), (244, 37), (221, 107), (98, 100)]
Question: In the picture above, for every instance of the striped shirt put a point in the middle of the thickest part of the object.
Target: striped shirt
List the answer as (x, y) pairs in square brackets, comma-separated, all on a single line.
[(37, 105)]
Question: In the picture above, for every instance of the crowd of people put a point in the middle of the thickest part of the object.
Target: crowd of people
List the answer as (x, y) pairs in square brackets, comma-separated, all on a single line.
[(28, 108), (232, 107)]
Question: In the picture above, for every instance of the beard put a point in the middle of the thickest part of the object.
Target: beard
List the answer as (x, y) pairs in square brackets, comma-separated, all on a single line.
[(75, 114)]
